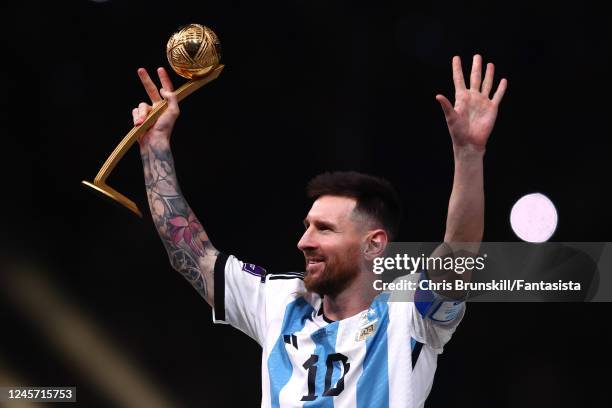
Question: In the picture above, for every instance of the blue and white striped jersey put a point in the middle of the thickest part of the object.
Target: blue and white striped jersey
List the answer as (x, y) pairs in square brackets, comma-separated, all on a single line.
[(384, 356)]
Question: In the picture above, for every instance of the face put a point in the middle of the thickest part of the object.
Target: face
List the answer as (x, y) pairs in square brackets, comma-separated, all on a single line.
[(331, 244)]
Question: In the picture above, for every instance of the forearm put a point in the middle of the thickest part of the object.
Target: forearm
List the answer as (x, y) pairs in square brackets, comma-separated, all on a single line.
[(465, 218), (189, 249)]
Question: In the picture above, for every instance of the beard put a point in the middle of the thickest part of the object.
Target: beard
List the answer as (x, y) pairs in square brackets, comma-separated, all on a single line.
[(335, 276)]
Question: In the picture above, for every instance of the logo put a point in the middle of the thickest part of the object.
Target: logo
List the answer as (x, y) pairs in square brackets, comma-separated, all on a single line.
[(254, 269), (366, 331)]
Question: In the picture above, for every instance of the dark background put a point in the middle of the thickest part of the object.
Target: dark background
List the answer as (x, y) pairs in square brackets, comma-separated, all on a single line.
[(308, 86)]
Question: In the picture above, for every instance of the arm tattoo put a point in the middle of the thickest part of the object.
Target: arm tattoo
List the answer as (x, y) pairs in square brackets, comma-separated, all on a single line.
[(188, 246)]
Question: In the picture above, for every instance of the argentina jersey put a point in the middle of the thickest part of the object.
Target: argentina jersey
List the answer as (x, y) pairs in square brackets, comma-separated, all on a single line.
[(385, 356)]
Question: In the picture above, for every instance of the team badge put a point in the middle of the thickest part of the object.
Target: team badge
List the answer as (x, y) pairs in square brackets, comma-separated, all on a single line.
[(366, 331), (367, 325)]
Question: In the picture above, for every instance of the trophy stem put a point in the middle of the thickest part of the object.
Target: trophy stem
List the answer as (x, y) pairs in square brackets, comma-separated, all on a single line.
[(99, 184)]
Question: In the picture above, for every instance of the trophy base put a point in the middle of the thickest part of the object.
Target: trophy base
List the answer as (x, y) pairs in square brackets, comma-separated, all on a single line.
[(113, 196)]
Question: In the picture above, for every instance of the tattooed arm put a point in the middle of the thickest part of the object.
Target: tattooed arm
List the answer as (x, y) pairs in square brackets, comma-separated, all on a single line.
[(189, 249)]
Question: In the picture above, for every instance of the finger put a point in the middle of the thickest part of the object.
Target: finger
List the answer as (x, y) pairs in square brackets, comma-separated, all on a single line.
[(172, 100), (458, 74), (501, 89), (447, 107), (475, 76), (487, 83), (135, 116), (143, 112), (165, 79), (149, 85)]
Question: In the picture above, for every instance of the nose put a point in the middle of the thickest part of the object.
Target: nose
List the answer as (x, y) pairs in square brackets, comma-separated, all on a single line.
[(307, 242)]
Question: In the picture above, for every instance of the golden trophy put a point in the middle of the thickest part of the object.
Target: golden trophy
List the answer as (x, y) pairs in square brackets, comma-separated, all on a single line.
[(194, 52)]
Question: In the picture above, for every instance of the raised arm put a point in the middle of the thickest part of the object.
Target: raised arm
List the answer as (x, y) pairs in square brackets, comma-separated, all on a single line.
[(470, 122), (190, 251)]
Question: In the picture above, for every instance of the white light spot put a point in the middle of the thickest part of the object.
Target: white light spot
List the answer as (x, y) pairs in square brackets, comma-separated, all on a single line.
[(534, 218)]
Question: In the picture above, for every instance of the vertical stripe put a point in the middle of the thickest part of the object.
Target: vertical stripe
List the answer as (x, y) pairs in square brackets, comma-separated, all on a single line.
[(400, 375), (279, 363), (373, 385), (347, 344), (325, 341), (297, 387)]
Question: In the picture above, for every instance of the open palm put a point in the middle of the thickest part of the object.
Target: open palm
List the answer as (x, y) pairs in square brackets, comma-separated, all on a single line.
[(470, 121)]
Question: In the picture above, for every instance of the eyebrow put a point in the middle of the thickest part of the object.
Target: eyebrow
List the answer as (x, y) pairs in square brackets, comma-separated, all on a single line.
[(319, 223)]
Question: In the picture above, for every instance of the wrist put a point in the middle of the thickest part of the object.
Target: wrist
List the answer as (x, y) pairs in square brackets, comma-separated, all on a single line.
[(468, 152), (156, 143)]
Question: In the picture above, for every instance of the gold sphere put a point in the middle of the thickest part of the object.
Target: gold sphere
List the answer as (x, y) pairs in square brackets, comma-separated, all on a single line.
[(193, 51)]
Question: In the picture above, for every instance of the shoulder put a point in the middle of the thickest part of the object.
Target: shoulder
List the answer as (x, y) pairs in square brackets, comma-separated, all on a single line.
[(289, 284), (287, 298)]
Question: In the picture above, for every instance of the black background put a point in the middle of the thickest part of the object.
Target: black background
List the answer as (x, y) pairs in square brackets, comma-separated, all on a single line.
[(308, 86)]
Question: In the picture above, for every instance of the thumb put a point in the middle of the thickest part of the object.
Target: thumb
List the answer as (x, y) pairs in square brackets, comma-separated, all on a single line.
[(447, 107)]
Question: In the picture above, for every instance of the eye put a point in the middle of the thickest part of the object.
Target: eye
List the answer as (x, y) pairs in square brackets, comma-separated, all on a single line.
[(324, 227)]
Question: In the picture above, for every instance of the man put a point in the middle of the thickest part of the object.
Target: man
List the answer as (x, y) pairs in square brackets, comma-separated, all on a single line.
[(329, 338)]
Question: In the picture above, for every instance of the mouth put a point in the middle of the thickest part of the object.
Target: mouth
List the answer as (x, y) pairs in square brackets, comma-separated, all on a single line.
[(312, 263)]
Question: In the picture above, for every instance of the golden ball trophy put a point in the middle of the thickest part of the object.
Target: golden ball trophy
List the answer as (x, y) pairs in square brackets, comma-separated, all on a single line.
[(194, 52)]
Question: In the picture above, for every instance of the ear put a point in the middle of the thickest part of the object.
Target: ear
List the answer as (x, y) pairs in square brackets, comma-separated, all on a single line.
[(375, 244)]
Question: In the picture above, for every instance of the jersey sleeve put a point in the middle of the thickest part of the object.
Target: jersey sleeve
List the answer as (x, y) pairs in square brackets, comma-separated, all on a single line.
[(240, 296), (433, 318)]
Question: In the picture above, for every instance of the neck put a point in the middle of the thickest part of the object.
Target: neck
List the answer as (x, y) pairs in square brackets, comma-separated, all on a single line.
[(356, 297)]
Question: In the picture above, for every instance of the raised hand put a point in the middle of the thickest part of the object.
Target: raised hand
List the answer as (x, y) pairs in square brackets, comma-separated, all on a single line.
[(471, 120), (162, 129)]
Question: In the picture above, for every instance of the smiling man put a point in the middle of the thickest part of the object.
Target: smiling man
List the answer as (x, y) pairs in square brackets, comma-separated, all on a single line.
[(328, 337), (351, 220)]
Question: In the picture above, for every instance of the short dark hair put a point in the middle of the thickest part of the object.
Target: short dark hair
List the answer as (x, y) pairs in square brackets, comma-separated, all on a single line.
[(375, 196)]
